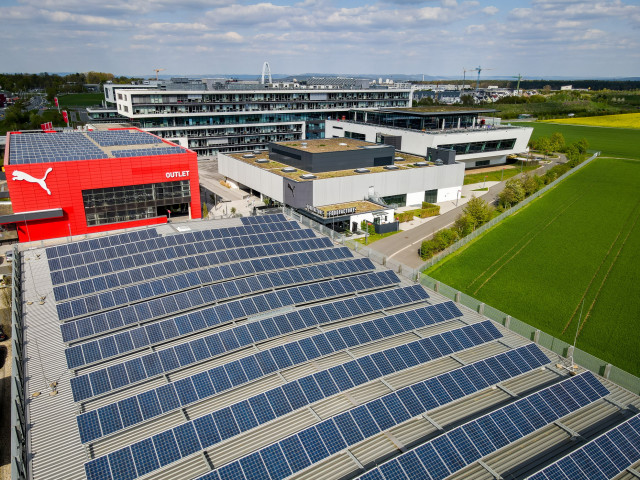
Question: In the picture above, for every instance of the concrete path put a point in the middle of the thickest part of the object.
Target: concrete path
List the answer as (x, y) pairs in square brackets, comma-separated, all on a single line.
[(403, 247)]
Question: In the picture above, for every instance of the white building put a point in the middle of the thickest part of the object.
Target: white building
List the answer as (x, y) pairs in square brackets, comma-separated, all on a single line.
[(334, 175), (476, 144), (232, 119)]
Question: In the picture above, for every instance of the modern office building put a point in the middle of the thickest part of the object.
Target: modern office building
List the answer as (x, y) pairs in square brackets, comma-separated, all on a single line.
[(415, 131), (76, 183), (236, 117), (254, 349), (340, 182)]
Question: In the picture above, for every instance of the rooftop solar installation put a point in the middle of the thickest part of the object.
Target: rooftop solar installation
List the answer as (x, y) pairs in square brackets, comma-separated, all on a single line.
[(27, 148), (52, 147), (122, 137), (255, 348)]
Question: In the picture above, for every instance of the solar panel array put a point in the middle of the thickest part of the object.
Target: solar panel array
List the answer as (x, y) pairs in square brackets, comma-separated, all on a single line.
[(211, 292), (600, 459), (111, 138), (454, 450), (234, 374), (98, 382), (74, 261), (327, 437), (26, 148), (222, 331), (156, 269), (173, 328), (144, 152)]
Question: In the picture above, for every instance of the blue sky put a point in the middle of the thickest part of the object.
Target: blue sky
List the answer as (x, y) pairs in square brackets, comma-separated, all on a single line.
[(434, 37)]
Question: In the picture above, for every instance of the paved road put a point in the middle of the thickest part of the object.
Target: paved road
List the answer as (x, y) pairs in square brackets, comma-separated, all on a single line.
[(403, 247)]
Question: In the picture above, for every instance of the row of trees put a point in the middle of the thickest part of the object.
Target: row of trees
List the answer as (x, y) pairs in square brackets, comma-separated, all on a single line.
[(17, 117), (557, 143), (477, 212), (71, 83)]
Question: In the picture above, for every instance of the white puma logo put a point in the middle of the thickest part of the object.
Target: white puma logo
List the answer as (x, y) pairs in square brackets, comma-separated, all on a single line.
[(18, 175)]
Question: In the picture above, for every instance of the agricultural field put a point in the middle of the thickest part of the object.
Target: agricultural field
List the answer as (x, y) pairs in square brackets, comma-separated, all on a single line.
[(80, 99), (614, 142), (579, 244), (627, 120)]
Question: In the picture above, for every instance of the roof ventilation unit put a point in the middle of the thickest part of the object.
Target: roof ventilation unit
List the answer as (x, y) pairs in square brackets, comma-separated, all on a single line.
[(390, 167), (362, 170), (308, 176), (399, 159), (289, 169), (343, 144), (262, 160), (421, 164), (248, 155)]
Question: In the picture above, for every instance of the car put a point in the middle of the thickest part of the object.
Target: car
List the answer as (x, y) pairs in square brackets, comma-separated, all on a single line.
[(9, 255)]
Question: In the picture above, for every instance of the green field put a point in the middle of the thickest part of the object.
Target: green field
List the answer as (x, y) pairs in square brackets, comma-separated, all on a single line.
[(580, 240), (80, 99), (614, 142)]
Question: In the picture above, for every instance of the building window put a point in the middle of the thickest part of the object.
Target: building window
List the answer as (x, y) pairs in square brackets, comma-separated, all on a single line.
[(357, 136), (482, 163), (133, 202), (398, 200), (431, 196), (479, 147)]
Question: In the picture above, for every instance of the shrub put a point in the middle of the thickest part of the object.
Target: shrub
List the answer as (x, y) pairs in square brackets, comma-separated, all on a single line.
[(463, 225), (441, 240), (512, 193), (404, 216), (429, 210), (478, 211)]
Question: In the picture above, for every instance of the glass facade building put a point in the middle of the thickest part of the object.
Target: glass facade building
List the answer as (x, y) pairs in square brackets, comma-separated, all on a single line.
[(132, 202)]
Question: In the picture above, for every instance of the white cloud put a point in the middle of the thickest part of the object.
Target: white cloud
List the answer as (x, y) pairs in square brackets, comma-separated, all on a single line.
[(490, 10)]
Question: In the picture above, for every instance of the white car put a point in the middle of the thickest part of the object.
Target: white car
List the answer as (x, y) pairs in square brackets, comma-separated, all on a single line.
[(9, 256)]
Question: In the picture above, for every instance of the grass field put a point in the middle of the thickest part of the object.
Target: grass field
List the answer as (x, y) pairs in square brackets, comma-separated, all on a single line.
[(614, 142), (627, 120), (496, 175), (579, 241), (80, 99)]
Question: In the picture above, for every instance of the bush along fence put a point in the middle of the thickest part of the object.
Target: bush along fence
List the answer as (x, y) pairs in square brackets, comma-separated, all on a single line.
[(507, 213)]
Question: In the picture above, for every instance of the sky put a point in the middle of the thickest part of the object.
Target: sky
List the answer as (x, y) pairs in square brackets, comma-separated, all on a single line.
[(535, 38)]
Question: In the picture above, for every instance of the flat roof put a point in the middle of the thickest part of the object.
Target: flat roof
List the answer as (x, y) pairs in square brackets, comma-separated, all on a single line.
[(229, 349), (55, 146), (326, 145), (257, 160), (360, 206)]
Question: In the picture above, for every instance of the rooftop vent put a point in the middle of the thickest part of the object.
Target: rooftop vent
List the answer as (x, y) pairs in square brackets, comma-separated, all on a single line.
[(390, 167), (421, 164), (262, 160), (248, 155), (399, 159), (439, 162), (308, 176), (304, 144), (362, 170), (289, 169), (343, 144)]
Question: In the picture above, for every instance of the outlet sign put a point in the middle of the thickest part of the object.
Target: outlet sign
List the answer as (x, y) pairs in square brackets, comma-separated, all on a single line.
[(182, 174)]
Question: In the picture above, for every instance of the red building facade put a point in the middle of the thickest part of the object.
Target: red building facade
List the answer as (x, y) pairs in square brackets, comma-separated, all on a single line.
[(76, 197)]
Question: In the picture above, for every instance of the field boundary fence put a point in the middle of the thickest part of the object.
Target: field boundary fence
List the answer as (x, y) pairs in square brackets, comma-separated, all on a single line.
[(507, 213), (562, 348)]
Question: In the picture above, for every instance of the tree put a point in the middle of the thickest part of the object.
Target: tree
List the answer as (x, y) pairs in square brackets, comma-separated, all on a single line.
[(544, 145), (463, 225), (557, 142), (582, 145), (530, 184), (467, 100), (478, 211), (512, 193), (205, 210)]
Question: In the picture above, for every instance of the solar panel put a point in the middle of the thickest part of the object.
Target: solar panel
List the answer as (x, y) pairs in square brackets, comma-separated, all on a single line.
[(334, 380), (603, 457), (334, 434)]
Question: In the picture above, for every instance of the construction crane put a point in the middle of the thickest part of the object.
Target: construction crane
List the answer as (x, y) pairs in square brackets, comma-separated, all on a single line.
[(158, 70), (464, 76), (479, 69), (519, 77)]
